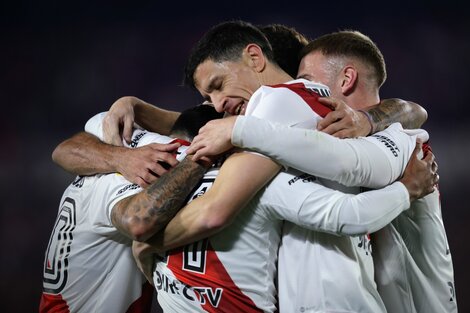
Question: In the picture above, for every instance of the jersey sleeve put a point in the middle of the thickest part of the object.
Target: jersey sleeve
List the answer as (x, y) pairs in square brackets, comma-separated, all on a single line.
[(109, 190), (372, 162), (94, 125), (302, 201), (283, 106)]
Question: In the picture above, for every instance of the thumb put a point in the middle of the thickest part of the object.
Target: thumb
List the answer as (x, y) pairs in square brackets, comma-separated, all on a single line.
[(329, 102), (127, 131)]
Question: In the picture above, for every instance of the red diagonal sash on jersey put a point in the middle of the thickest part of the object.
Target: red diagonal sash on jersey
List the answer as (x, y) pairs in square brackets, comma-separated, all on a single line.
[(308, 95), (215, 278)]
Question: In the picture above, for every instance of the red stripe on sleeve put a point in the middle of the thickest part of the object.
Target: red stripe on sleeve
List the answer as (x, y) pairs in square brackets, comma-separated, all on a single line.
[(308, 95)]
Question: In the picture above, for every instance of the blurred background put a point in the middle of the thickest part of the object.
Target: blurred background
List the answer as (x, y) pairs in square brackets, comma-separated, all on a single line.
[(63, 62)]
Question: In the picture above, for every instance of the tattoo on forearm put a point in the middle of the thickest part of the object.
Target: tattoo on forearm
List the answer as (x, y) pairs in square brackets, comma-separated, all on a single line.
[(154, 207), (389, 111)]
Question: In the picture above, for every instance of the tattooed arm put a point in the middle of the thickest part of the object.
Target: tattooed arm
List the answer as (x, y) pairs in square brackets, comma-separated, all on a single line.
[(142, 215), (409, 114), (345, 122)]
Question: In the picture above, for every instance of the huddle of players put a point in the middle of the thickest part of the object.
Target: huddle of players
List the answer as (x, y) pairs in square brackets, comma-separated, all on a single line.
[(233, 270)]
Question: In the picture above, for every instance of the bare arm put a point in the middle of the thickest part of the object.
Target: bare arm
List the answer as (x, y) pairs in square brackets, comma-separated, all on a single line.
[(142, 215), (344, 122), (85, 154), (239, 179), (411, 115), (126, 110)]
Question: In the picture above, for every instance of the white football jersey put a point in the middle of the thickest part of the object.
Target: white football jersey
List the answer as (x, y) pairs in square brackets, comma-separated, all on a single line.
[(234, 270), (89, 265), (413, 264), (414, 270)]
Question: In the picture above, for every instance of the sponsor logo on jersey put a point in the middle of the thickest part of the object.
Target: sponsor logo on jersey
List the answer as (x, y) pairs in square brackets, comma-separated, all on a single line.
[(390, 144), (304, 178), (128, 187), (136, 139), (78, 182), (322, 92), (201, 295)]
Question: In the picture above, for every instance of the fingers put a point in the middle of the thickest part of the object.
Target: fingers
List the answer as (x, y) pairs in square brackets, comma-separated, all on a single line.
[(128, 126), (330, 102), (165, 147), (328, 121), (111, 131)]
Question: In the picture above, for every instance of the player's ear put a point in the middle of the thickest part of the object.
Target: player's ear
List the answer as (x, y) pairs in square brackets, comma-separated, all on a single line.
[(348, 79), (254, 57)]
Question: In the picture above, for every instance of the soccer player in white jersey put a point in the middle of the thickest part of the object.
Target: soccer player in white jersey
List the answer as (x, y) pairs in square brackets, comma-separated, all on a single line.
[(413, 264), (89, 265), (229, 84), (296, 94)]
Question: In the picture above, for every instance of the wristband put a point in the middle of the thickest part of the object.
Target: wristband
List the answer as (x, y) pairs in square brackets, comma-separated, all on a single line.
[(369, 118)]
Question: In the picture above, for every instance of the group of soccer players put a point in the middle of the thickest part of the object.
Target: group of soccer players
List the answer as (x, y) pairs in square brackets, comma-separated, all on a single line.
[(263, 212)]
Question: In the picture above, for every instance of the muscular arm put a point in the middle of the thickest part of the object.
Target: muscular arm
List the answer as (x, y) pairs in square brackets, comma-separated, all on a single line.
[(154, 118), (388, 111), (370, 162), (240, 178), (85, 154), (142, 215), (344, 122)]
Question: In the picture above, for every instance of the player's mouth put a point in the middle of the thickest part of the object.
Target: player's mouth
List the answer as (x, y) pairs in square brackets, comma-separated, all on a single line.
[(240, 109)]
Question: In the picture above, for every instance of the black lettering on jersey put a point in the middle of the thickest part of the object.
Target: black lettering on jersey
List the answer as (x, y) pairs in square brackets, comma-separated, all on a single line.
[(55, 272), (78, 182), (389, 143), (305, 178), (194, 256), (128, 187), (209, 294), (136, 139)]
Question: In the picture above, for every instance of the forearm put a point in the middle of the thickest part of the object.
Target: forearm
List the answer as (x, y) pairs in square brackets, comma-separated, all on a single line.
[(353, 215), (154, 118), (239, 179), (143, 215), (353, 162), (85, 154), (389, 111)]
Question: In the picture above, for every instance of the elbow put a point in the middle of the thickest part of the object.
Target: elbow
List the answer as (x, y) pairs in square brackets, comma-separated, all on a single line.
[(421, 115), (212, 219), (58, 154), (139, 232)]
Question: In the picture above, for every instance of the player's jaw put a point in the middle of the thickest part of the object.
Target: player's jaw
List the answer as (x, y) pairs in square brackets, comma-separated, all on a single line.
[(235, 106)]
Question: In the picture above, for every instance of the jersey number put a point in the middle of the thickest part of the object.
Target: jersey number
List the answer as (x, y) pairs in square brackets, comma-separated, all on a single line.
[(58, 249)]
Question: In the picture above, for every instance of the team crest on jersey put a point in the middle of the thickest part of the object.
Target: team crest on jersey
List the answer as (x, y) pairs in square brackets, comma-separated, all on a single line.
[(56, 264)]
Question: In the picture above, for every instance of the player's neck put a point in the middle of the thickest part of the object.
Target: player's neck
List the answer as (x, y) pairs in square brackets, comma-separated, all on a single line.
[(361, 99), (273, 75)]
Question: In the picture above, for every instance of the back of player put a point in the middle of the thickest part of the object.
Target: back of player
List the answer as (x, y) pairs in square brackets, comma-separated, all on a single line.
[(414, 271), (322, 272), (89, 265)]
